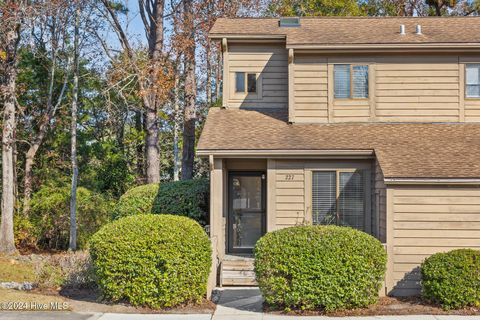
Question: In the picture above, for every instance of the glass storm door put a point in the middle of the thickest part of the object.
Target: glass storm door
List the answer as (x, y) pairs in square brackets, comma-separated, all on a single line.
[(246, 214)]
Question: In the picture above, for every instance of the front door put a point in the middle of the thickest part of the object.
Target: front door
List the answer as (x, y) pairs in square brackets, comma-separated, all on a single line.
[(246, 214)]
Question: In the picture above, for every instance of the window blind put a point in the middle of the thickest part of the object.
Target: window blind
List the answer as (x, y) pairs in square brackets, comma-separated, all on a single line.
[(351, 200), (324, 194), (342, 80), (360, 81), (472, 80)]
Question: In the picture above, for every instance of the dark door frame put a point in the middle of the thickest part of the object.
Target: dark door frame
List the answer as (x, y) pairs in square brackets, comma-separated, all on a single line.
[(262, 211)]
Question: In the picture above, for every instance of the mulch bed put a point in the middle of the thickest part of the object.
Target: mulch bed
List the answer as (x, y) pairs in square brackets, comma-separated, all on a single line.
[(385, 306)]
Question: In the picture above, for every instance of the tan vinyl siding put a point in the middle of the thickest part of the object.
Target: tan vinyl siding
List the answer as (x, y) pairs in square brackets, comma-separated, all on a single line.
[(289, 193), (417, 89), (310, 89), (270, 62), (472, 110), (428, 220), (351, 110)]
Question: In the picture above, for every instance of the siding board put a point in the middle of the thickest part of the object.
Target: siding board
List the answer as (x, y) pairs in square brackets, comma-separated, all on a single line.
[(271, 62), (427, 220)]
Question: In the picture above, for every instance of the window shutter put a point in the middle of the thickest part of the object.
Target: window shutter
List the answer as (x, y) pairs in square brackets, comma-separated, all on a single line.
[(342, 80), (351, 201), (324, 197), (473, 80), (360, 81)]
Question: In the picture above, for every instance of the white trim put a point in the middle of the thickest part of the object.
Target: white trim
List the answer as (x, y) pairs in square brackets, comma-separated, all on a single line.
[(286, 153), (248, 36), (429, 181)]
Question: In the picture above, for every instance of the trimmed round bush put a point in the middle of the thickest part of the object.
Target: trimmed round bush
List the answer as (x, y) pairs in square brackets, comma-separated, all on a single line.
[(185, 197), (452, 279), (138, 200), (157, 261), (319, 268)]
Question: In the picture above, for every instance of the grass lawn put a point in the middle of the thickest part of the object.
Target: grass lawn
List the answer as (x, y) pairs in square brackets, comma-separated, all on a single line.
[(13, 270)]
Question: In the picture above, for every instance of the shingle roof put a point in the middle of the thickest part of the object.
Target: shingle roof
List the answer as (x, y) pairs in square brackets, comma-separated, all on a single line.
[(356, 30), (403, 150)]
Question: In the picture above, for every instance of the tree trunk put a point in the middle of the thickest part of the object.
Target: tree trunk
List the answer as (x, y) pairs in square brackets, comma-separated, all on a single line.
[(151, 145), (218, 72), (73, 192), (7, 243), (155, 46), (139, 149), (209, 73), (188, 153), (176, 103)]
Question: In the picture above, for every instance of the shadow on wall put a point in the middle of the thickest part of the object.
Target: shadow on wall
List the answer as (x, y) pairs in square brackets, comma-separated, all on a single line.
[(409, 285), (258, 77)]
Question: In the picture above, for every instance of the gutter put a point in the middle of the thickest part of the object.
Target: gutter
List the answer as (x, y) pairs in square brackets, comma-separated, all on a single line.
[(432, 181), (278, 153)]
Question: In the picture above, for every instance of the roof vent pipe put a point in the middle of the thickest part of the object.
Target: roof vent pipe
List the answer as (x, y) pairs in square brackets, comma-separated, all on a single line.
[(419, 29), (402, 29)]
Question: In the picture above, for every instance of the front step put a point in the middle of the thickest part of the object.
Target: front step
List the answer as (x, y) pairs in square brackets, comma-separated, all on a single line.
[(237, 271)]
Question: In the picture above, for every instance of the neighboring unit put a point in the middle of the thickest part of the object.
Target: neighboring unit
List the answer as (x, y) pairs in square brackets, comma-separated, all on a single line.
[(372, 123)]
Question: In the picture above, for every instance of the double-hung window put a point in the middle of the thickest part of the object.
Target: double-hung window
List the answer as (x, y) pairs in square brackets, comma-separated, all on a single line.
[(339, 198), (472, 80), (350, 81)]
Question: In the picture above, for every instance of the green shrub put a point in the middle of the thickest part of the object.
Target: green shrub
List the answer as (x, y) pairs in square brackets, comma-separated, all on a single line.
[(152, 260), (187, 197), (24, 232), (138, 200), (50, 214), (452, 279), (319, 268)]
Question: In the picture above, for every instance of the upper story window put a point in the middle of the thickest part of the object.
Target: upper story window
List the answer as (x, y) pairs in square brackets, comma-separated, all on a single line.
[(472, 80), (350, 81), (245, 82)]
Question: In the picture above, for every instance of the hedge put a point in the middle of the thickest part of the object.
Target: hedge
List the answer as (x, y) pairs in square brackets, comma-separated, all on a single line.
[(138, 200), (319, 268), (157, 261), (186, 198), (452, 279)]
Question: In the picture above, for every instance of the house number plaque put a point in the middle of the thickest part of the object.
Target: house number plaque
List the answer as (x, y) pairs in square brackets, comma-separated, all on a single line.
[(289, 177)]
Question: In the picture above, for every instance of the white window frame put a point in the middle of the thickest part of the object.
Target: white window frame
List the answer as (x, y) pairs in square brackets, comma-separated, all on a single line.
[(466, 82), (245, 95)]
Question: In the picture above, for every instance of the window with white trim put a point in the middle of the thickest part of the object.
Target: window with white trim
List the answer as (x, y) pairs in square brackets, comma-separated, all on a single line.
[(350, 81), (339, 198), (472, 80), (245, 82)]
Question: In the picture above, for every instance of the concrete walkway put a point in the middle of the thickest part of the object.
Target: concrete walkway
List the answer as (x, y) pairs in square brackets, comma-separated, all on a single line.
[(232, 304)]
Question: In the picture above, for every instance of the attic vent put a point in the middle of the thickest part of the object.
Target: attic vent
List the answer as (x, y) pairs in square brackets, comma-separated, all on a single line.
[(419, 29), (289, 22)]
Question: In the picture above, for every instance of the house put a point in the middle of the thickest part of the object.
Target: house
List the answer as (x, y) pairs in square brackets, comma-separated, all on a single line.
[(372, 123)]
